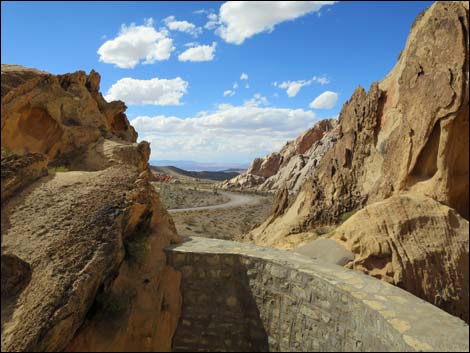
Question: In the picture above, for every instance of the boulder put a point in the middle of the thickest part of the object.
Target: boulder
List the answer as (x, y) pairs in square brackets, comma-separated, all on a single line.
[(413, 242), (326, 250)]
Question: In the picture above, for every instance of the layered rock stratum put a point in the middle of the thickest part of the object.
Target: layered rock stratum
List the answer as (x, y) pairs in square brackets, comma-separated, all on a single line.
[(409, 133), (83, 230), (292, 165)]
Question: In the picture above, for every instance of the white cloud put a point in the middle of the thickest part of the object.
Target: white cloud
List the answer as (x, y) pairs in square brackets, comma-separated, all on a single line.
[(293, 87), (199, 53), (229, 133), (239, 20), (213, 21), (235, 85), (247, 86), (321, 80), (182, 26), (326, 100), (243, 76), (256, 101), (154, 91), (229, 93), (192, 44), (136, 43), (202, 11)]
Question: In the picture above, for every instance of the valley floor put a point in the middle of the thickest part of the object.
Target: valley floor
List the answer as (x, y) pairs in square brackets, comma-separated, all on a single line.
[(198, 210)]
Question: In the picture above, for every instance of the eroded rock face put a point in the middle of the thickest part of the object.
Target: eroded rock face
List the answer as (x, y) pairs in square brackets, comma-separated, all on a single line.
[(19, 171), (416, 243), (408, 132), (58, 116), (291, 166), (82, 250)]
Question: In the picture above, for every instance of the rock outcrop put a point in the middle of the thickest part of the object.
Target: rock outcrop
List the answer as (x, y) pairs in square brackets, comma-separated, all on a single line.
[(19, 171), (83, 230), (416, 243), (408, 134), (58, 116), (291, 166)]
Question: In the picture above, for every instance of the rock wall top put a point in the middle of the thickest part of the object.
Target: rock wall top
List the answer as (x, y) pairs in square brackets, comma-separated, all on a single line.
[(339, 309)]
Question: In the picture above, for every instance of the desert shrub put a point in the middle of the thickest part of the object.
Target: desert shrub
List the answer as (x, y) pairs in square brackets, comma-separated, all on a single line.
[(6, 152), (346, 215), (109, 304), (136, 246), (190, 221), (59, 169), (137, 249)]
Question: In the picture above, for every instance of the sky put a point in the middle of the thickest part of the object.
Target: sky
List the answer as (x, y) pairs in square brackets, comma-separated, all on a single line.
[(214, 81)]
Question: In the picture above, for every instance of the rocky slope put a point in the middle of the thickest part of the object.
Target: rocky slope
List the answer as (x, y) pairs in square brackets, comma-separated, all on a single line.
[(82, 228), (290, 166), (407, 134)]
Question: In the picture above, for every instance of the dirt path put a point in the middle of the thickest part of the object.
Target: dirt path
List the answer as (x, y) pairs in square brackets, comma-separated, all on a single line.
[(235, 201)]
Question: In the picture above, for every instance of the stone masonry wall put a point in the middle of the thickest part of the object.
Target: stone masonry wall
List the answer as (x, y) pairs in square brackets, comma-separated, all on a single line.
[(241, 297)]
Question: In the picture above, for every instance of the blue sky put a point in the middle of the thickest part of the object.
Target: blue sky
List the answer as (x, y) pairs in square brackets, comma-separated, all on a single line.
[(321, 46)]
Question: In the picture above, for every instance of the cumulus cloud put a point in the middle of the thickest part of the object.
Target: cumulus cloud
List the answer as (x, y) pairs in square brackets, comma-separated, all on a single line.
[(235, 85), (239, 20), (293, 87), (243, 76), (199, 53), (326, 100), (155, 91), (231, 132), (135, 43), (182, 26)]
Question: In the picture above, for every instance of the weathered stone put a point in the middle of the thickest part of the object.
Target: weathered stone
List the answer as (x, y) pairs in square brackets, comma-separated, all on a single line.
[(326, 250), (414, 242)]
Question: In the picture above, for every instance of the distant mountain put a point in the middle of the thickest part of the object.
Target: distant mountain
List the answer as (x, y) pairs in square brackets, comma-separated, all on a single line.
[(201, 166), (182, 174)]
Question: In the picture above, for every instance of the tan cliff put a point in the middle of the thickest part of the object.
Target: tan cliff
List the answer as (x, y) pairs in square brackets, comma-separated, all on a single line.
[(83, 230), (408, 134), (291, 165)]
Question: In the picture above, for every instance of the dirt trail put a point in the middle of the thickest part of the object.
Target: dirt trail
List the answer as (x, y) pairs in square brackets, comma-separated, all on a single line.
[(235, 201)]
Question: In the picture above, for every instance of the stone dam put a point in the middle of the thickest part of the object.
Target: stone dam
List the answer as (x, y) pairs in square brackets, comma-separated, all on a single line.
[(242, 297)]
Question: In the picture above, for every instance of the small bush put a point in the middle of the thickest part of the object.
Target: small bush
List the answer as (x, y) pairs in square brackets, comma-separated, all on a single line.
[(59, 169), (346, 215), (109, 304), (6, 152), (137, 249)]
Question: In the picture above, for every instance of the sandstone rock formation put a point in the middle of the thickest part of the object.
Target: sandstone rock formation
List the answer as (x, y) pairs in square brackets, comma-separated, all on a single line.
[(292, 165), (58, 116), (83, 266), (416, 243), (408, 134), (20, 170)]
